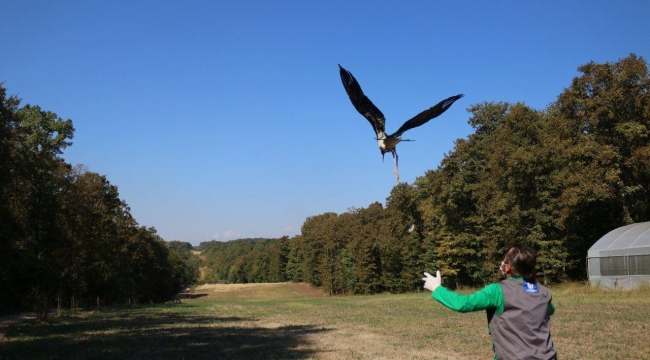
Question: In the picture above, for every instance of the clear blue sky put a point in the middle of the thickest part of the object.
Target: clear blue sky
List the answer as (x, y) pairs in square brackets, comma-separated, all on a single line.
[(227, 119)]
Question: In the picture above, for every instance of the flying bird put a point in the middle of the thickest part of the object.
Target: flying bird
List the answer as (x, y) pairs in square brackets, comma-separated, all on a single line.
[(388, 143)]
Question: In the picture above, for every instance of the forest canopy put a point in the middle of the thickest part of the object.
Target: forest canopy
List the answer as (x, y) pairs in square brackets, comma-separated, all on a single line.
[(66, 237)]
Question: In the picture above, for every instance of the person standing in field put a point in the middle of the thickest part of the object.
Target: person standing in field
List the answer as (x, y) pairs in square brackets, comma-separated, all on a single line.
[(518, 308)]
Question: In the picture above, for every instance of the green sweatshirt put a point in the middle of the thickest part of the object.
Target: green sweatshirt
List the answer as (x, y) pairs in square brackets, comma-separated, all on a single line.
[(489, 298)]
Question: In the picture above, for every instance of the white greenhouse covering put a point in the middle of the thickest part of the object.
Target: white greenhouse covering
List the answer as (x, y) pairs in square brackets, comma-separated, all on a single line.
[(621, 258)]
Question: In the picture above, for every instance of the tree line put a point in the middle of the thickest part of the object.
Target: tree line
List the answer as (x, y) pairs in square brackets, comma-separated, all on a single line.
[(66, 237), (244, 260), (557, 179)]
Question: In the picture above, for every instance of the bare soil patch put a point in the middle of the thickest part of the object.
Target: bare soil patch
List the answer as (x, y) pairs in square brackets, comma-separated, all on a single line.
[(197, 253)]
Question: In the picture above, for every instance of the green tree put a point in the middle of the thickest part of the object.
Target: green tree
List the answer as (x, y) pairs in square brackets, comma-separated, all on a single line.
[(41, 137), (10, 224), (65, 232), (185, 264), (601, 123)]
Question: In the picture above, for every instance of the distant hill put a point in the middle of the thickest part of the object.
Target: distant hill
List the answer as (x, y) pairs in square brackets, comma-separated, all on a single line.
[(227, 261), (204, 244)]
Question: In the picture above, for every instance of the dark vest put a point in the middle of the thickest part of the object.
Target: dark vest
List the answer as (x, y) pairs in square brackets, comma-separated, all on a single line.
[(522, 330)]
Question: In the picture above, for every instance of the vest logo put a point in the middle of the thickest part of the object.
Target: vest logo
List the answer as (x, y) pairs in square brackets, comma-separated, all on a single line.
[(530, 287)]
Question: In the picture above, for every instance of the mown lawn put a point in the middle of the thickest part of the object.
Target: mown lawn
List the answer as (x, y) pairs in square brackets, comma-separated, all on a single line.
[(296, 321)]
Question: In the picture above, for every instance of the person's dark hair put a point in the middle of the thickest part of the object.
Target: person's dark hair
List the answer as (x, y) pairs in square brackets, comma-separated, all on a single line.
[(523, 259)]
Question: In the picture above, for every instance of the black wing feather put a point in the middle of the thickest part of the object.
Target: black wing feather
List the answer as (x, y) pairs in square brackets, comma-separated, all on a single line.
[(427, 115), (361, 102)]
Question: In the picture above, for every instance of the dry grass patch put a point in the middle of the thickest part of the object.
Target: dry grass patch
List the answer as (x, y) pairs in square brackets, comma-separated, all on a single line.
[(594, 323), (267, 291), (297, 321)]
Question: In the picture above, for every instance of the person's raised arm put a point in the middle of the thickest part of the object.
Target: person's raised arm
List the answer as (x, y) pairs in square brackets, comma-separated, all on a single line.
[(490, 297)]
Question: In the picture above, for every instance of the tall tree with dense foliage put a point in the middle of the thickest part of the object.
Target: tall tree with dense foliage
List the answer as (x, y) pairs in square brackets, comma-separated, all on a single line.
[(66, 236), (10, 228), (602, 122), (41, 137)]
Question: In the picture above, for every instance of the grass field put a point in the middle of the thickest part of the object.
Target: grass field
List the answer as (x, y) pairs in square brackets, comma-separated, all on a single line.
[(296, 321)]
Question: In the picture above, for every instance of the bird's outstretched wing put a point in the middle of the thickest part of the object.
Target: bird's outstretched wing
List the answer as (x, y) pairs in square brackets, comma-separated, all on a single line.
[(426, 115), (361, 102)]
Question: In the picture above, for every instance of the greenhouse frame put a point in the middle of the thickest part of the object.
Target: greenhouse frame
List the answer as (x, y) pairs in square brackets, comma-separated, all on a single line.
[(621, 258)]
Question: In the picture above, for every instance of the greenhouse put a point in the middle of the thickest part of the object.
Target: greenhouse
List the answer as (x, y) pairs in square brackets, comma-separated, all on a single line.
[(621, 258)]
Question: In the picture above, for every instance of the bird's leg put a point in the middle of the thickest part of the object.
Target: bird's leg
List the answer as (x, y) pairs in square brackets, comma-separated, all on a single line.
[(395, 160), (396, 173)]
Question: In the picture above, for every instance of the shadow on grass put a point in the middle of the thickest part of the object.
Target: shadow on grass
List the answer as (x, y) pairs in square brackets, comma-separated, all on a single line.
[(155, 335), (194, 296)]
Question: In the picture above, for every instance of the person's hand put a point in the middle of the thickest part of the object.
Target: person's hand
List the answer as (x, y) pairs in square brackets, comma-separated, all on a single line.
[(431, 282)]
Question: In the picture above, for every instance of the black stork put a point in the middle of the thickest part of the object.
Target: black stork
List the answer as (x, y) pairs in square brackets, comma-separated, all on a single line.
[(388, 143)]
